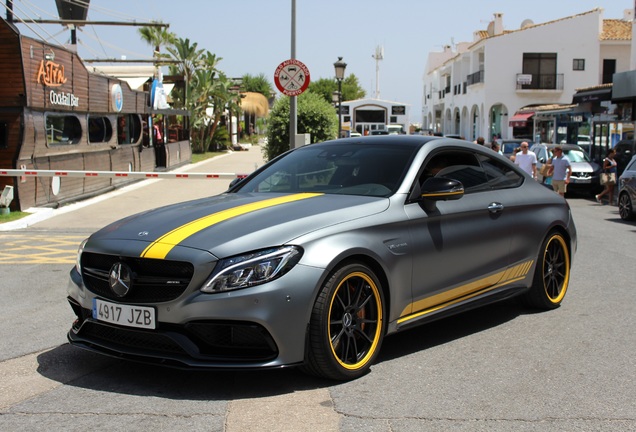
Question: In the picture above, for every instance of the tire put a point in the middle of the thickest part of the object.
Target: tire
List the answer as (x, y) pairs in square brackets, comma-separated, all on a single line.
[(347, 324), (626, 207), (552, 273)]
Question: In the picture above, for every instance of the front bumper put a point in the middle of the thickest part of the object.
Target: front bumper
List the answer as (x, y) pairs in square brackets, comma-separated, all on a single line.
[(259, 327)]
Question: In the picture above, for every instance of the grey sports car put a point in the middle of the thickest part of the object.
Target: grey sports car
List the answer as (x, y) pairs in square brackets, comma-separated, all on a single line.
[(317, 256)]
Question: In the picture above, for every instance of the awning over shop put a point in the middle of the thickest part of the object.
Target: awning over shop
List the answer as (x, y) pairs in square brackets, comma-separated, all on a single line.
[(593, 95), (520, 119)]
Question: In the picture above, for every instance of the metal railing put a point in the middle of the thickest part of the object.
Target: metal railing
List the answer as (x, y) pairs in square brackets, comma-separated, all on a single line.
[(475, 78), (539, 81)]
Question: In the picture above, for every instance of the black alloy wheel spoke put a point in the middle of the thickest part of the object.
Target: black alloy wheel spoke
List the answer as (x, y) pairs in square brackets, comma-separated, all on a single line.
[(353, 320), (364, 336)]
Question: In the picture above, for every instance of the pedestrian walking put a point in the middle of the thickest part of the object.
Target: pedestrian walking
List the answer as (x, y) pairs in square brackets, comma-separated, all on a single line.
[(527, 160), (608, 177), (561, 170)]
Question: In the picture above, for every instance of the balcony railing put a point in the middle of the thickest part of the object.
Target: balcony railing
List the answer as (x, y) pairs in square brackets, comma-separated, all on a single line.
[(539, 81), (475, 78)]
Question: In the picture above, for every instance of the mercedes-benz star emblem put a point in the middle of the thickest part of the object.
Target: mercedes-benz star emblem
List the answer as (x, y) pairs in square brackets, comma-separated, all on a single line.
[(120, 279)]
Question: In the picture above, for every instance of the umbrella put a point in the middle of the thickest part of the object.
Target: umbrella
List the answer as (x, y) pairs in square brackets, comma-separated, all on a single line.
[(255, 104)]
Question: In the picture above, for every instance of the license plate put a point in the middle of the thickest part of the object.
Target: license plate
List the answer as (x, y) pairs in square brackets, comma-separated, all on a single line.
[(575, 180), (125, 315)]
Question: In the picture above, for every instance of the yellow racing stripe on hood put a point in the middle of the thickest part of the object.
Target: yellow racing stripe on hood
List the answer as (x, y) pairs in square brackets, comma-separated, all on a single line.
[(163, 245)]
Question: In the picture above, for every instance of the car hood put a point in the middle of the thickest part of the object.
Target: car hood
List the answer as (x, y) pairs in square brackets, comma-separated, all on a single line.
[(585, 167), (230, 223)]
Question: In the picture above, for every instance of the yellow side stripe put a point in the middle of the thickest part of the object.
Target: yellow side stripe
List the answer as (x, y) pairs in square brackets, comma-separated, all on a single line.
[(163, 245), (464, 292)]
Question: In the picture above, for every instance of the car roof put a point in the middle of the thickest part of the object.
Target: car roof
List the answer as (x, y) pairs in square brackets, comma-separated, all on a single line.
[(406, 140), (563, 146)]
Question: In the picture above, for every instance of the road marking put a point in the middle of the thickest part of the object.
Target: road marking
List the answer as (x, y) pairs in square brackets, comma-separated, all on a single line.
[(39, 249)]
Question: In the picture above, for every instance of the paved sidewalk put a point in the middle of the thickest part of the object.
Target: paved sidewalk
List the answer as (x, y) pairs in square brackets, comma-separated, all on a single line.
[(92, 214)]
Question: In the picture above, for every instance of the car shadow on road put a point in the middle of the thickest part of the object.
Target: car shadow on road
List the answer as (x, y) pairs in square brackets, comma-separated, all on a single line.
[(451, 328), (76, 367)]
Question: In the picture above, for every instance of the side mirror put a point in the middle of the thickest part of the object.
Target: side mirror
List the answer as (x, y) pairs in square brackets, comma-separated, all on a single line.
[(441, 189), (236, 181)]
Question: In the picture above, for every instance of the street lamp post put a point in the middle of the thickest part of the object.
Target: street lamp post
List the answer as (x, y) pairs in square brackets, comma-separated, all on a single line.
[(340, 67)]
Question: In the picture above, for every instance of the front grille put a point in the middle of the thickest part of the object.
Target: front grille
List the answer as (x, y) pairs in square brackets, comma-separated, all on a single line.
[(130, 338), (582, 175), (153, 280), (200, 341)]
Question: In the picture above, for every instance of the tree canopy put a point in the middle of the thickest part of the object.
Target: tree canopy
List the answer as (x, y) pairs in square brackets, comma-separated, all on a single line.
[(315, 116), (325, 87)]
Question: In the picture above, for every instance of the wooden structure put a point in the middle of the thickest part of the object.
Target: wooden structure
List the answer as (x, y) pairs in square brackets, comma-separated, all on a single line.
[(56, 115)]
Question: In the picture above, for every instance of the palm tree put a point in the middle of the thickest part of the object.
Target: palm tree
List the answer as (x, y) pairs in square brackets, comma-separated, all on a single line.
[(156, 36), (188, 59), (210, 95)]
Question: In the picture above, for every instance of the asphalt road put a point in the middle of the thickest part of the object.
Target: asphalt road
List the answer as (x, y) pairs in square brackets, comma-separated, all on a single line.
[(499, 368)]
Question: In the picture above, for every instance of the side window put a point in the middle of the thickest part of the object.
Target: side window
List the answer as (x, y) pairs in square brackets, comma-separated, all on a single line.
[(4, 136), (457, 165), (99, 129), (63, 129), (500, 175), (128, 128)]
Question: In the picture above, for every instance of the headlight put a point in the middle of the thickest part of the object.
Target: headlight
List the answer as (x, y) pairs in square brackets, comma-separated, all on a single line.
[(252, 269), (78, 261)]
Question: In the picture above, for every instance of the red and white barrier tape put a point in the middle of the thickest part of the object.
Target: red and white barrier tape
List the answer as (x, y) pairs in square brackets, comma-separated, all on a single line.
[(111, 174)]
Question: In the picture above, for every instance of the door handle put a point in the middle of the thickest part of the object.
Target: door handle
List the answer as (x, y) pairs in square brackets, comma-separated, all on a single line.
[(495, 207)]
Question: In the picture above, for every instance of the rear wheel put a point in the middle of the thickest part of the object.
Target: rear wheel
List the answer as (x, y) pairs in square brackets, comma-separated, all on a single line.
[(347, 324), (626, 207), (552, 273)]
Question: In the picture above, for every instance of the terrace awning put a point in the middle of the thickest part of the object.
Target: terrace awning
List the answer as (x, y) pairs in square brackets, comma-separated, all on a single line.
[(592, 95), (520, 119)]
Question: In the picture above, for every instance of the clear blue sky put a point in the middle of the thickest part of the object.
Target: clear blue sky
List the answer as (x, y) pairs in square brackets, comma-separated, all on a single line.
[(254, 36)]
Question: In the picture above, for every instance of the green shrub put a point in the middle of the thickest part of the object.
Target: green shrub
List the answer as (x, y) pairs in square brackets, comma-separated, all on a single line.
[(315, 116), (220, 139)]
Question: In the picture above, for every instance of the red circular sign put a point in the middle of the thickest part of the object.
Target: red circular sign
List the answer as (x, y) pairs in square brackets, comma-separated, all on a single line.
[(291, 77)]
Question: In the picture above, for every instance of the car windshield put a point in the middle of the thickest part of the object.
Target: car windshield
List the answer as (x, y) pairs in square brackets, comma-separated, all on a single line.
[(509, 147), (348, 169), (576, 155)]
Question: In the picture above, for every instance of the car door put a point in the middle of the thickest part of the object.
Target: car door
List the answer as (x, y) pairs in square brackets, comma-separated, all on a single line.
[(624, 152), (461, 246)]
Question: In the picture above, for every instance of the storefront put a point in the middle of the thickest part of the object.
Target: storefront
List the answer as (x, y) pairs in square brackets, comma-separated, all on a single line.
[(55, 115), (624, 98)]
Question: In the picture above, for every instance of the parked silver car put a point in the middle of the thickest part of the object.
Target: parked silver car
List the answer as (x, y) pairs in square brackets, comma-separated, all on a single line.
[(627, 191), (585, 173), (316, 257)]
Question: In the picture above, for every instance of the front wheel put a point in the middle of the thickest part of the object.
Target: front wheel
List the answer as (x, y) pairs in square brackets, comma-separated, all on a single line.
[(626, 207), (347, 324), (552, 273)]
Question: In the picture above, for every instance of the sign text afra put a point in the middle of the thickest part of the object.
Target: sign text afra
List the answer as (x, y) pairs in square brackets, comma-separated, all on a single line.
[(51, 74)]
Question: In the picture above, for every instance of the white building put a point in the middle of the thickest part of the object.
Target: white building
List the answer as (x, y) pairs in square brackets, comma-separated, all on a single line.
[(367, 115), (477, 88)]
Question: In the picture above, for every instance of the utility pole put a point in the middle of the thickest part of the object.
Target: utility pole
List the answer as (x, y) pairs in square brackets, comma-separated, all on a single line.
[(379, 55), (293, 116)]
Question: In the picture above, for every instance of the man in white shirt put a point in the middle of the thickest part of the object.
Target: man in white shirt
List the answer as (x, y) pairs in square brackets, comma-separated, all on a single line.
[(527, 160)]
